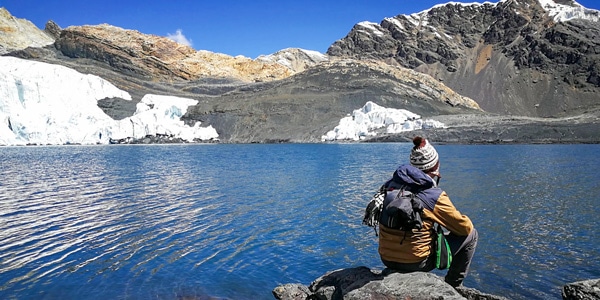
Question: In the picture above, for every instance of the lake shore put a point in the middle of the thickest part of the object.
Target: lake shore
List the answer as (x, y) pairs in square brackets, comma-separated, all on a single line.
[(496, 129)]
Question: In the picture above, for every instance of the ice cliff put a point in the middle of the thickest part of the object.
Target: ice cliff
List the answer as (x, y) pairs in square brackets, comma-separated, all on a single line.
[(43, 104)]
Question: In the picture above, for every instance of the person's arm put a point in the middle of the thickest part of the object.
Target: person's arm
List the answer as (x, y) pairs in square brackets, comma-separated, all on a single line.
[(449, 217)]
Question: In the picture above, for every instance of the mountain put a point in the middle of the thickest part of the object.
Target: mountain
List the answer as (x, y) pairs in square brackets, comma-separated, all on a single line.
[(298, 95), (525, 57), (157, 58), (293, 95)]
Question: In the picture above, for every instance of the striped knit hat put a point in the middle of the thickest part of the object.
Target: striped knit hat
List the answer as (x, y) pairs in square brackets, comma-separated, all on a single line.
[(423, 156)]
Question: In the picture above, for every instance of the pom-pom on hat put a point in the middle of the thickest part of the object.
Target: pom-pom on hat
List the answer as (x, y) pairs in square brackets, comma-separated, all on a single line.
[(423, 156)]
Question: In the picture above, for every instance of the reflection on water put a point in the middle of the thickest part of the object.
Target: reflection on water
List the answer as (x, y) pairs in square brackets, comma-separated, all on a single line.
[(235, 221)]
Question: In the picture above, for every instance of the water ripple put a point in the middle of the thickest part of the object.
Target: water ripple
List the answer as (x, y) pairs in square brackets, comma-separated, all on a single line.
[(142, 222)]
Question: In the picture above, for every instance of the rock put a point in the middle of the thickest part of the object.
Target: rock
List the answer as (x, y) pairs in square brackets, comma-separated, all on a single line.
[(473, 294), (18, 34), (159, 58), (361, 283), (52, 29), (291, 291), (582, 290)]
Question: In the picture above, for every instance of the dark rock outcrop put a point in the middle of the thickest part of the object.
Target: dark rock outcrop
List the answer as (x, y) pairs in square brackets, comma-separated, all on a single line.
[(52, 29), (496, 129), (582, 290), (510, 57), (361, 283)]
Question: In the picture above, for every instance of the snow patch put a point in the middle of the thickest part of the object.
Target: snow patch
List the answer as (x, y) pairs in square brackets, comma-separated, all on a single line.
[(372, 27), (285, 57), (396, 23)]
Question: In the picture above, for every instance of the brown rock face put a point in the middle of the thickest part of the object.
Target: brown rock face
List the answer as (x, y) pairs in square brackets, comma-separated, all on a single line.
[(158, 58), (17, 34)]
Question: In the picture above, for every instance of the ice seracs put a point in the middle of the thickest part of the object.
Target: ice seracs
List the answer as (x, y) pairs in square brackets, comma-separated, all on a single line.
[(372, 119), (45, 104), (160, 115)]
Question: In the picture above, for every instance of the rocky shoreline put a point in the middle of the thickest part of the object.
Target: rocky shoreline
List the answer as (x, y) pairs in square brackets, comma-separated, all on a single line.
[(496, 129), (479, 128), (362, 283)]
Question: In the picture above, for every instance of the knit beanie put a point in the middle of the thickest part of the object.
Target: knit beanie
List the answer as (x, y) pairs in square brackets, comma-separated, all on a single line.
[(423, 156)]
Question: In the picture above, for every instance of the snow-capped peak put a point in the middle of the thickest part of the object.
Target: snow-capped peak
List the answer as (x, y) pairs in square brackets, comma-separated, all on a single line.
[(295, 59), (561, 12)]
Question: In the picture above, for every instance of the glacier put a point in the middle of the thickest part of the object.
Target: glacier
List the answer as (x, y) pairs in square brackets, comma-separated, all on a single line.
[(46, 104), (373, 119)]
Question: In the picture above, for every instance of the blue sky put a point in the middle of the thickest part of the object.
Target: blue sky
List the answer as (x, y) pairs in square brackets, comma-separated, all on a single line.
[(233, 27)]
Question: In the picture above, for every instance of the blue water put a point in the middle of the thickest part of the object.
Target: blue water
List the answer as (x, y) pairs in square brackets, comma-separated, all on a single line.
[(235, 221)]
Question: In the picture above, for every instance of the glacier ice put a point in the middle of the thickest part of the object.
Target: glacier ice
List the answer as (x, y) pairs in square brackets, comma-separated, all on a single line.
[(372, 119), (46, 104)]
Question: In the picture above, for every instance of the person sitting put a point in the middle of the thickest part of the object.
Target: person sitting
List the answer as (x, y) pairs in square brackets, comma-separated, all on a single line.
[(409, 251)]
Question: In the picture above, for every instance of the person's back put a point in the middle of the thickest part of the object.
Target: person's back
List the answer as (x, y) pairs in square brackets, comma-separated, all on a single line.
[(408, 251)]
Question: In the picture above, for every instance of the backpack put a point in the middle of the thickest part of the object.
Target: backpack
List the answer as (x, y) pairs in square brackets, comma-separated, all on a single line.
[(401, 210), (397, 209)]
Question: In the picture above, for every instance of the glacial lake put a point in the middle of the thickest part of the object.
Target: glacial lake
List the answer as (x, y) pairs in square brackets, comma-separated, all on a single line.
[(235, 221)]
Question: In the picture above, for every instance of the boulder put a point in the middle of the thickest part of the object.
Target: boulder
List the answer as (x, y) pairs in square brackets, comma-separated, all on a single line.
[(582, 290), (363, 283)]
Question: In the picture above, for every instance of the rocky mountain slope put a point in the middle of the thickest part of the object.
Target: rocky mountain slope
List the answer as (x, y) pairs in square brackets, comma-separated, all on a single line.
[(157, 58), (514, 57), (305, 106), (17, 34)]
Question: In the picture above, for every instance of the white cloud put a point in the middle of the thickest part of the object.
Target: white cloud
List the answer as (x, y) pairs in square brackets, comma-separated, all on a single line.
[(180, 38)]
